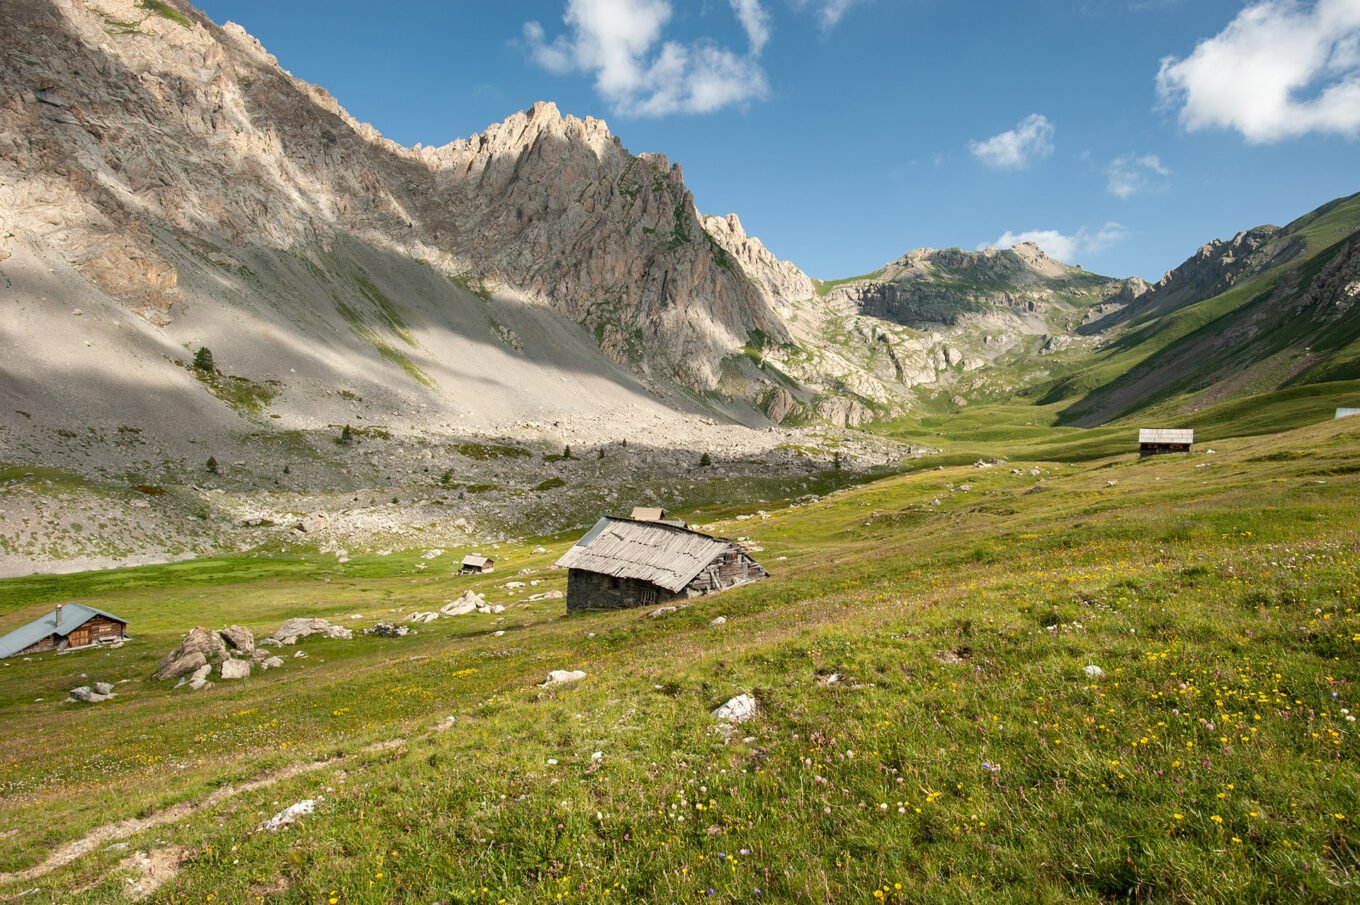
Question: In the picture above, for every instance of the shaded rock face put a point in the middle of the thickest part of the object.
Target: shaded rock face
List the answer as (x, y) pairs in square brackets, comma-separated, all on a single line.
[(110, 136)]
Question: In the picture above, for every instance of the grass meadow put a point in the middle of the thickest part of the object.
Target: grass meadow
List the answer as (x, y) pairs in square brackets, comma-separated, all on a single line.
[(927, 728)]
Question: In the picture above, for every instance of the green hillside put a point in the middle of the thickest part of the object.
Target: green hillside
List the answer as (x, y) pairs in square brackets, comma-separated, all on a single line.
[(1262, 334), (960, 753)]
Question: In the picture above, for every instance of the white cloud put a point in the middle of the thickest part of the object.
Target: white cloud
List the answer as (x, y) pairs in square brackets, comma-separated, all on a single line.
[(1279, 70), (639, 74), (829, 12), (1016, 148), (1133, 174), (1064, 247), (755, 21)]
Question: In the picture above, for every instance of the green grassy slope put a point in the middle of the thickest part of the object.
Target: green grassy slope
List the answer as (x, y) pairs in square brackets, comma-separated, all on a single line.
[(1248, 331), (962, 754)]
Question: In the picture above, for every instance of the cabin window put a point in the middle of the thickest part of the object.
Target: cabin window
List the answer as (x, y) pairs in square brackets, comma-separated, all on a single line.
[(648, 596)]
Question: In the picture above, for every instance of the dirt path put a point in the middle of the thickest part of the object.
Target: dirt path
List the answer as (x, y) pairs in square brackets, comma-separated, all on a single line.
[(123, 829)]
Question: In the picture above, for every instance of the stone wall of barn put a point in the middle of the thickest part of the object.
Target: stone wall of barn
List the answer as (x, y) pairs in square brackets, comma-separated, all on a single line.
[(593, 591)]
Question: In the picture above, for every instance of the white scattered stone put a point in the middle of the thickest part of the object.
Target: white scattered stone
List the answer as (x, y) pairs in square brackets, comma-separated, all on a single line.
[(1092, 671), (563, 677), (290, 814), (737, 710), (662, 611), (271, 663), (497, 634), (300, 654), (720, 620)]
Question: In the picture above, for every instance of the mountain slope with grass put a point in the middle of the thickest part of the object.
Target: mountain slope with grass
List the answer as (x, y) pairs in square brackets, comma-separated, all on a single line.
[(1290, 317)]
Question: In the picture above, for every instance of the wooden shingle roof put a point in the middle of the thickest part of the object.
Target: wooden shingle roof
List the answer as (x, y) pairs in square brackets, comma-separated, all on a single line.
[(655, 552), (1166, 435)]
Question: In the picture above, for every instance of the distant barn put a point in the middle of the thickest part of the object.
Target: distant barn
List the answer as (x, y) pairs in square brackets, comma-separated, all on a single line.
[(1156, 440), (67, 627), (623, 563), (474, 562), (1346, 413)]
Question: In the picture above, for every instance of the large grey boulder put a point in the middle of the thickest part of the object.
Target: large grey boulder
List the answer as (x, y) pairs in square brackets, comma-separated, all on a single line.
[(87, 695), (293, 629), (103, 688), (200, 646), (235, 669), (239, 637), (469, 602)]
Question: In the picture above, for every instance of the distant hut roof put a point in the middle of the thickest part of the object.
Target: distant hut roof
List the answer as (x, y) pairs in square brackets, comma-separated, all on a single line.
[(477, 561), (662, 554), (1347, 413), (1166, 435), (648, 514), (73, 616)]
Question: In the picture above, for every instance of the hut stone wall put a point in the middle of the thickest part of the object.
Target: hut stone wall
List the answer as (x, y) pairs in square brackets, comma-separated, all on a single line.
[(594, 591)]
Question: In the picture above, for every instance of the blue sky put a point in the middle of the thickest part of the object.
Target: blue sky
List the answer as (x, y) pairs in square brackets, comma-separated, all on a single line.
[(1122, 134)]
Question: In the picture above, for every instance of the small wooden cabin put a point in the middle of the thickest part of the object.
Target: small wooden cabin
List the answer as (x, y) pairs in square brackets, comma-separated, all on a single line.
[(624, 562), (473, 563), (1157, 440), (648, 514), (67, 627)]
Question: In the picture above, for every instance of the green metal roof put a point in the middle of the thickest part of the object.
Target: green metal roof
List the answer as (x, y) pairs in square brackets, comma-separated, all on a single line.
[(73, 616)]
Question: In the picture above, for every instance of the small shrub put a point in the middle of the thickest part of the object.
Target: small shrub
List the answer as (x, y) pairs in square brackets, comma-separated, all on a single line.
[(705, 460), (211, 465), (346, 437)]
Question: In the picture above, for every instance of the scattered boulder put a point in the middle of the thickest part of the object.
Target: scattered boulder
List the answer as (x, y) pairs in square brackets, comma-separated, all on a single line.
[(469, 602), (105, 688), (720, 620), (422, 617), (87, 695), (662, 611), (547, 595), (271, 663), (317, 521), (737, 710), (290, 814), (199, 647), (238, 637), (563, 677), (197, 679), (293, 629), (235, 669), (387, 630), (1092, 671)]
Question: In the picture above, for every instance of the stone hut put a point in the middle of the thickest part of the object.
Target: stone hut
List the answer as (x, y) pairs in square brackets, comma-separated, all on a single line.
[(67, 627), (474, 562), (1156, 440), (624, 562)]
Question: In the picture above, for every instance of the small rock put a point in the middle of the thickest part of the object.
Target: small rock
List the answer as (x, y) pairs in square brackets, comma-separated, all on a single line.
[(1092, 671), (737, 710), (290, 814), (720, 620), (563, 677), (387, 630), (662, 611), (103, 688), (300, 654), (271, 662)]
